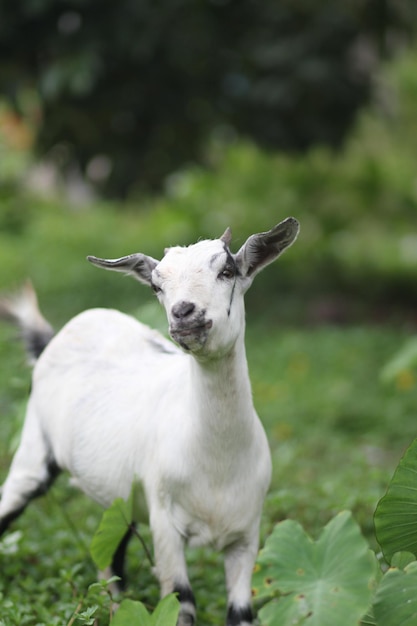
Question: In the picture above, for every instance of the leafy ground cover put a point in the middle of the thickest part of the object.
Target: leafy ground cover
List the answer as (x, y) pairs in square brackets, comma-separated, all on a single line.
[(336, 434)]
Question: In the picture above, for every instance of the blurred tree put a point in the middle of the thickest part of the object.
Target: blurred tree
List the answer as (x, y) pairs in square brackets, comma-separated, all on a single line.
[(131, 90)]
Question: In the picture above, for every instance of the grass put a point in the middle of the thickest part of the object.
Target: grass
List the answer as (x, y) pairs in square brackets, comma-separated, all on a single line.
[(335, 431)]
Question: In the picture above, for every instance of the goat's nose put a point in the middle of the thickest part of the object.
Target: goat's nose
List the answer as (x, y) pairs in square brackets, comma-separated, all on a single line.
[(182, 310)]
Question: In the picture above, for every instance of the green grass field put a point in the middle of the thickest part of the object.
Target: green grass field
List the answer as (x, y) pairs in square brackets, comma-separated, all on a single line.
[(336, 434)]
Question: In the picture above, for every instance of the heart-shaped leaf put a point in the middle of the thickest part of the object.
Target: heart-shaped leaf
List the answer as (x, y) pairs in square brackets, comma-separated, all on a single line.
[(134, 612), (396, 513), (166, 612), (313, 582), (395, 601), (131, 612), (400, 560)]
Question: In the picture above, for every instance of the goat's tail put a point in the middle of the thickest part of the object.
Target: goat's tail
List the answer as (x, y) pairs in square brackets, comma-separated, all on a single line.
[(23, 310)]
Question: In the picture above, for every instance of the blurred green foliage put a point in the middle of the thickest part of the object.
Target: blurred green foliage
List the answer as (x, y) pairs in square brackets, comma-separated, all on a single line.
[(357, 249), (132, 90)]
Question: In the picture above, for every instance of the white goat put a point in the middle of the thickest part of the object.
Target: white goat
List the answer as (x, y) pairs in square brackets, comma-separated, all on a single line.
[(114, 402)]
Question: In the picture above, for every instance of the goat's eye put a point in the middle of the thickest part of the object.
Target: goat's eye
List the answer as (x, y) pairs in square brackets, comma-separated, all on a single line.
[(227, 273), (156, 289)]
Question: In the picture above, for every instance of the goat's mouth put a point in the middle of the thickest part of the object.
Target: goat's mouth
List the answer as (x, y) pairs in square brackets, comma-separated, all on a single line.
[(184, 331), (188, 335)]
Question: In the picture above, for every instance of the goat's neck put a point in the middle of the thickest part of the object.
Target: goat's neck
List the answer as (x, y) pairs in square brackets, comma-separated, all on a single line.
[(222, 395)]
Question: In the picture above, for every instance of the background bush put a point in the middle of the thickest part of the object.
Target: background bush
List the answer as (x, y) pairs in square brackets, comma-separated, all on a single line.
[(131, 91), (356, 252)]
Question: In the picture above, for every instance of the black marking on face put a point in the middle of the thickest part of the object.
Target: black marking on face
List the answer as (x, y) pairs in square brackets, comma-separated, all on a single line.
[(231, 263), (239, 615), (231, 267), (155, 289), (214, 258), (231, 298)]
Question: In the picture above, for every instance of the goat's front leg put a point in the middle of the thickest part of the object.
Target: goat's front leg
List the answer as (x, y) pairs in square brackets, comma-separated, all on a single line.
[(170, 566), (239, 562)]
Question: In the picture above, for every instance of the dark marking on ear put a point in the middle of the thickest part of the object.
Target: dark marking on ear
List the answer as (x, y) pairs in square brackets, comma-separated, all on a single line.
[(263, 248), (239, 615), (138, 265)]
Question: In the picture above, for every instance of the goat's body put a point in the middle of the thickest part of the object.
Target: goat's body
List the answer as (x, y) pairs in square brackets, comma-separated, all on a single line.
[(110, 379), (114, 403)]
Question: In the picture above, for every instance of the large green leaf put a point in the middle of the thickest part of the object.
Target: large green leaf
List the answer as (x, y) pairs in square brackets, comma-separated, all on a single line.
[(113, 526), (115, 522), (396, 514), (166, 612), (133, 612), (368, 619), (395, 601), (316, 583)]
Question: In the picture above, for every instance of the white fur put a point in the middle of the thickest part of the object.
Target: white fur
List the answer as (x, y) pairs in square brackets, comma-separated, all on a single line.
[(114, 402)]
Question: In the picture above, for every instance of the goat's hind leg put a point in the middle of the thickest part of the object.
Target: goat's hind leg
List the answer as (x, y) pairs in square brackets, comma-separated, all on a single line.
[(117, 567), (31, 473)]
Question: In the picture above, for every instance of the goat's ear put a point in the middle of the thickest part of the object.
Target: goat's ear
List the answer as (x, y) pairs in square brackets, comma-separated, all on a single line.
[(263, 248), (137, 265)]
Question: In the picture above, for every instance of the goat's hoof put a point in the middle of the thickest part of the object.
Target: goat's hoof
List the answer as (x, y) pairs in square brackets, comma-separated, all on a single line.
[(186, 619)]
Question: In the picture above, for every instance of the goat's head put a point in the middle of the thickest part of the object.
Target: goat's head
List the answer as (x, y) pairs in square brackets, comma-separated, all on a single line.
[(201, 286)]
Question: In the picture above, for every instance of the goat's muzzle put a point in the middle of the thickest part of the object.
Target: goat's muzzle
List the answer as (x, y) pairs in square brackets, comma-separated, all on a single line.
[(191, 334)]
